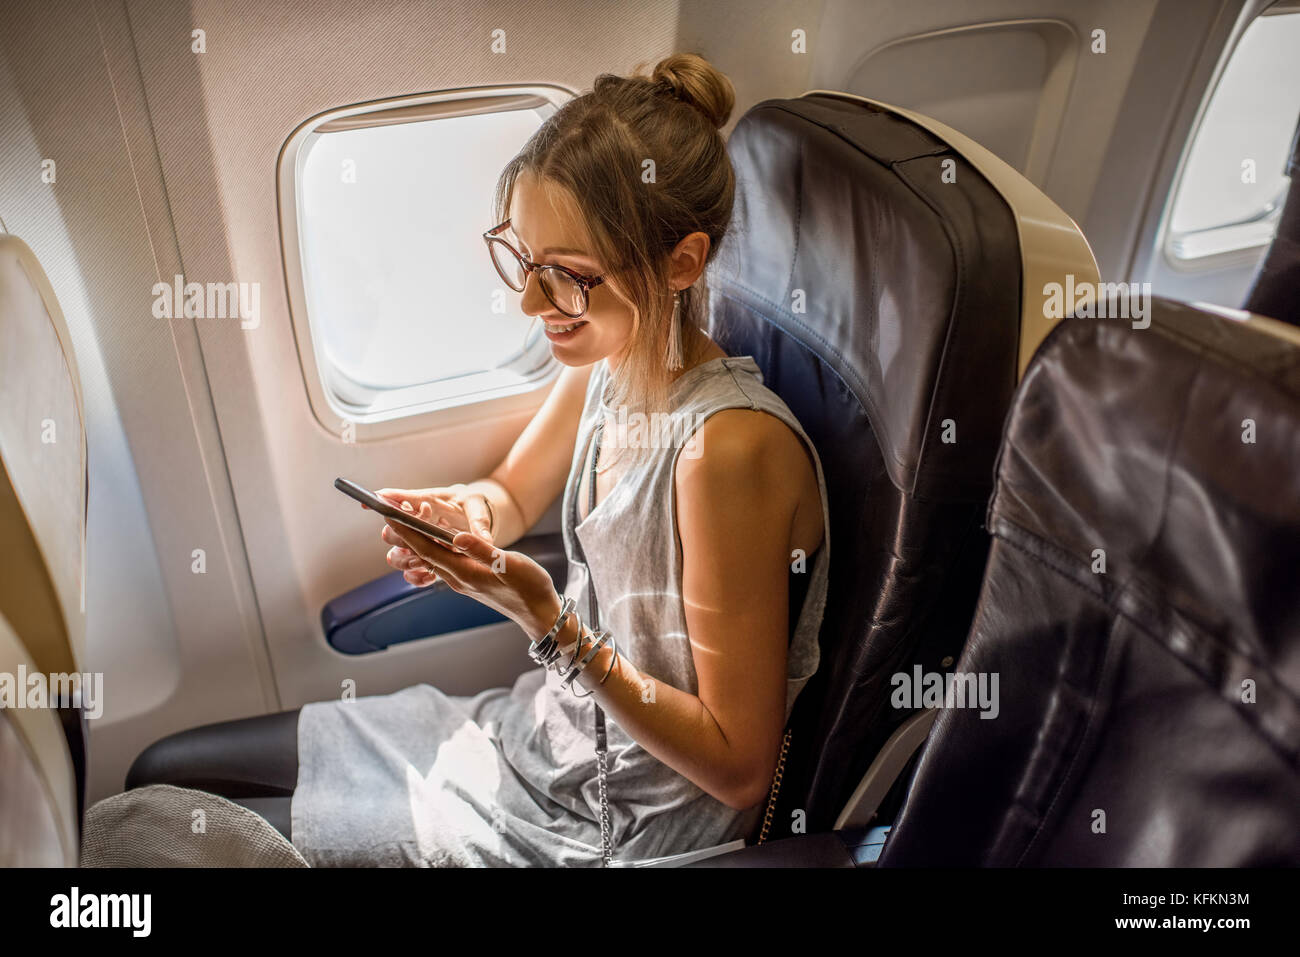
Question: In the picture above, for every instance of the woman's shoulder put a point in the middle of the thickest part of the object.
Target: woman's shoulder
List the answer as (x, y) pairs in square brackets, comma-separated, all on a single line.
[(738, 385), (748, 462), (746, 438), (744, 426)]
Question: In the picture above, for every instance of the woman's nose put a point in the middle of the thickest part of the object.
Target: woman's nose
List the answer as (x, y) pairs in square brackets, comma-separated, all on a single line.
[(533, 301)]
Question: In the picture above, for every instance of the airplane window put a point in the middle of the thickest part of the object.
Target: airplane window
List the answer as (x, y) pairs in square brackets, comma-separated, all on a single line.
[(405, 311), (1233, 185)]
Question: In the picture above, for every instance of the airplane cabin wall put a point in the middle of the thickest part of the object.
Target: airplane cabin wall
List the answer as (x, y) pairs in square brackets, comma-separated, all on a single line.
[(175, 647)]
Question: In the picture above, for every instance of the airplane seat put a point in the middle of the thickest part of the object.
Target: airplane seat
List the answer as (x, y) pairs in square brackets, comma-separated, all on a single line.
[(1275, 291), (1138, 611), (886, 274), (43, 498)]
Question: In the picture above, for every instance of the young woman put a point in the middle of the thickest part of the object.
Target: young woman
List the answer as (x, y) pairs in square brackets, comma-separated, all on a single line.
[(707, 546)]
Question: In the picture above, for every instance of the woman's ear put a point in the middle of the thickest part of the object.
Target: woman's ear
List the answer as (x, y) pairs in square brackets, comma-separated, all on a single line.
[(687, 260)]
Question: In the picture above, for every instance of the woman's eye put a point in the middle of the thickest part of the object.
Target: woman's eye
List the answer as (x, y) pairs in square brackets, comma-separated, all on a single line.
[(578, 267)]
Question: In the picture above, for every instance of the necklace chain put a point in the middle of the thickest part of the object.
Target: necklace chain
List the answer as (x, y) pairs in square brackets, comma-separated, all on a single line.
[(602, 752)]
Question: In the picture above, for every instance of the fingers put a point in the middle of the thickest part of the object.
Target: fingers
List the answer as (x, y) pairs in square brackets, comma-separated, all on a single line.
[(397, 534), (427, 513), (465, 563), (476, 510), (428, 560), (411, 552), (475, 547), (420, 577), (406, 499), (412, 567), (422, 547), (430, 551), (402, 537), (403, 558), (396, 496)]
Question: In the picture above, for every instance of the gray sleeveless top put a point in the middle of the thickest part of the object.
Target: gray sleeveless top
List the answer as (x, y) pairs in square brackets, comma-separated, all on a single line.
[(507, 777), (634, 554)]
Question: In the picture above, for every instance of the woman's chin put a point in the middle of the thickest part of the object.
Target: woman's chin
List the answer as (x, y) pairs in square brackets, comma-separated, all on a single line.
[(569, 357)]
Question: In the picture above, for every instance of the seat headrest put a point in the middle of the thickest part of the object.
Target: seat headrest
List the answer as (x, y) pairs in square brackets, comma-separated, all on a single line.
[(849, 235), (42, 467), (831, 242)]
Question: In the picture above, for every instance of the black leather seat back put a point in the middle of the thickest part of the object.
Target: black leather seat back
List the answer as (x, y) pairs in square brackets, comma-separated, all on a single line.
[(1148, 709), (882, 303)]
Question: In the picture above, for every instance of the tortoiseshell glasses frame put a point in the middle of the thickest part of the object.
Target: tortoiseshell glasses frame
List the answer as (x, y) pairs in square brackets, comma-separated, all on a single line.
[(566, 289)]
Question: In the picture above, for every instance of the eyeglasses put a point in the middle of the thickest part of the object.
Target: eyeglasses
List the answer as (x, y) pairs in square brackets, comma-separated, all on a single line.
[(567, 290)]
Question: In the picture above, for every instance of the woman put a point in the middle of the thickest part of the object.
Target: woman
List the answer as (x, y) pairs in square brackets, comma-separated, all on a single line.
[(708, 543)]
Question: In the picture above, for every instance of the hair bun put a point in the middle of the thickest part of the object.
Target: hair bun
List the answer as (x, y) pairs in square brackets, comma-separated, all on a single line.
[(694, 80)]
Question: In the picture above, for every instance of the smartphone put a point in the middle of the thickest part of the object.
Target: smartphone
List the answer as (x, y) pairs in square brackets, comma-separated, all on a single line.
[(395, 514)]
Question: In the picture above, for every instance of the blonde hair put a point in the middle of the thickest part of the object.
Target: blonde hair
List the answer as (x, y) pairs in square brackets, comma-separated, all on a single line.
[(594, 148)]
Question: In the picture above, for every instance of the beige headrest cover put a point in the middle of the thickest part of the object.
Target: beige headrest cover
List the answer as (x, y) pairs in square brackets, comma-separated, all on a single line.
[(42, 468)]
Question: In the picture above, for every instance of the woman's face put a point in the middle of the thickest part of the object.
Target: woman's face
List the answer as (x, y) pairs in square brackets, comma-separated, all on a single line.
[(548, 228)]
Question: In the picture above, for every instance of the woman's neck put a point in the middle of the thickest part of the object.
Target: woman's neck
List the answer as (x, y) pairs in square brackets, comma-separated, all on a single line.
[(700, 349)]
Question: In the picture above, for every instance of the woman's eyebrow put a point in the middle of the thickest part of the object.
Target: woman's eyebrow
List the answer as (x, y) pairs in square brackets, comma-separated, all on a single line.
[(556, 250), (563, 251)]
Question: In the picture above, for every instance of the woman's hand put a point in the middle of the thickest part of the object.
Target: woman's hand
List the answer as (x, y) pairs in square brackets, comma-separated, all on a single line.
[(454, 507), (506, 581)]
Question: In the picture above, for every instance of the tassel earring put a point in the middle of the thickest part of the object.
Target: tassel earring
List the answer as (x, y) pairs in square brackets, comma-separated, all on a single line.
[(675, 360)]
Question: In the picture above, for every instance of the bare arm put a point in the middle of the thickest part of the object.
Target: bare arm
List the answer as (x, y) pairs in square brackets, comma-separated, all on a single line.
[(533, 473)]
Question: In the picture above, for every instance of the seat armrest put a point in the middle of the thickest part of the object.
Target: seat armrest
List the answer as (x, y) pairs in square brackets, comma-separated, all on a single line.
[(896, 755), (390, 610), (853, 847)]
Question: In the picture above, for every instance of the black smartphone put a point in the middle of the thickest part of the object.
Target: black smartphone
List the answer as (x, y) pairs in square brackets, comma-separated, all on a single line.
[(391, 511)]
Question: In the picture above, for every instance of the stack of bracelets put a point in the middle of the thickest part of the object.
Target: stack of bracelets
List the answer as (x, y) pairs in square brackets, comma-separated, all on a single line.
[(546, 650)]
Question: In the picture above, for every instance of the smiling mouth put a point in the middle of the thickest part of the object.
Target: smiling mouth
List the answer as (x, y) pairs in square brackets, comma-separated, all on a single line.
[(568, 327)]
